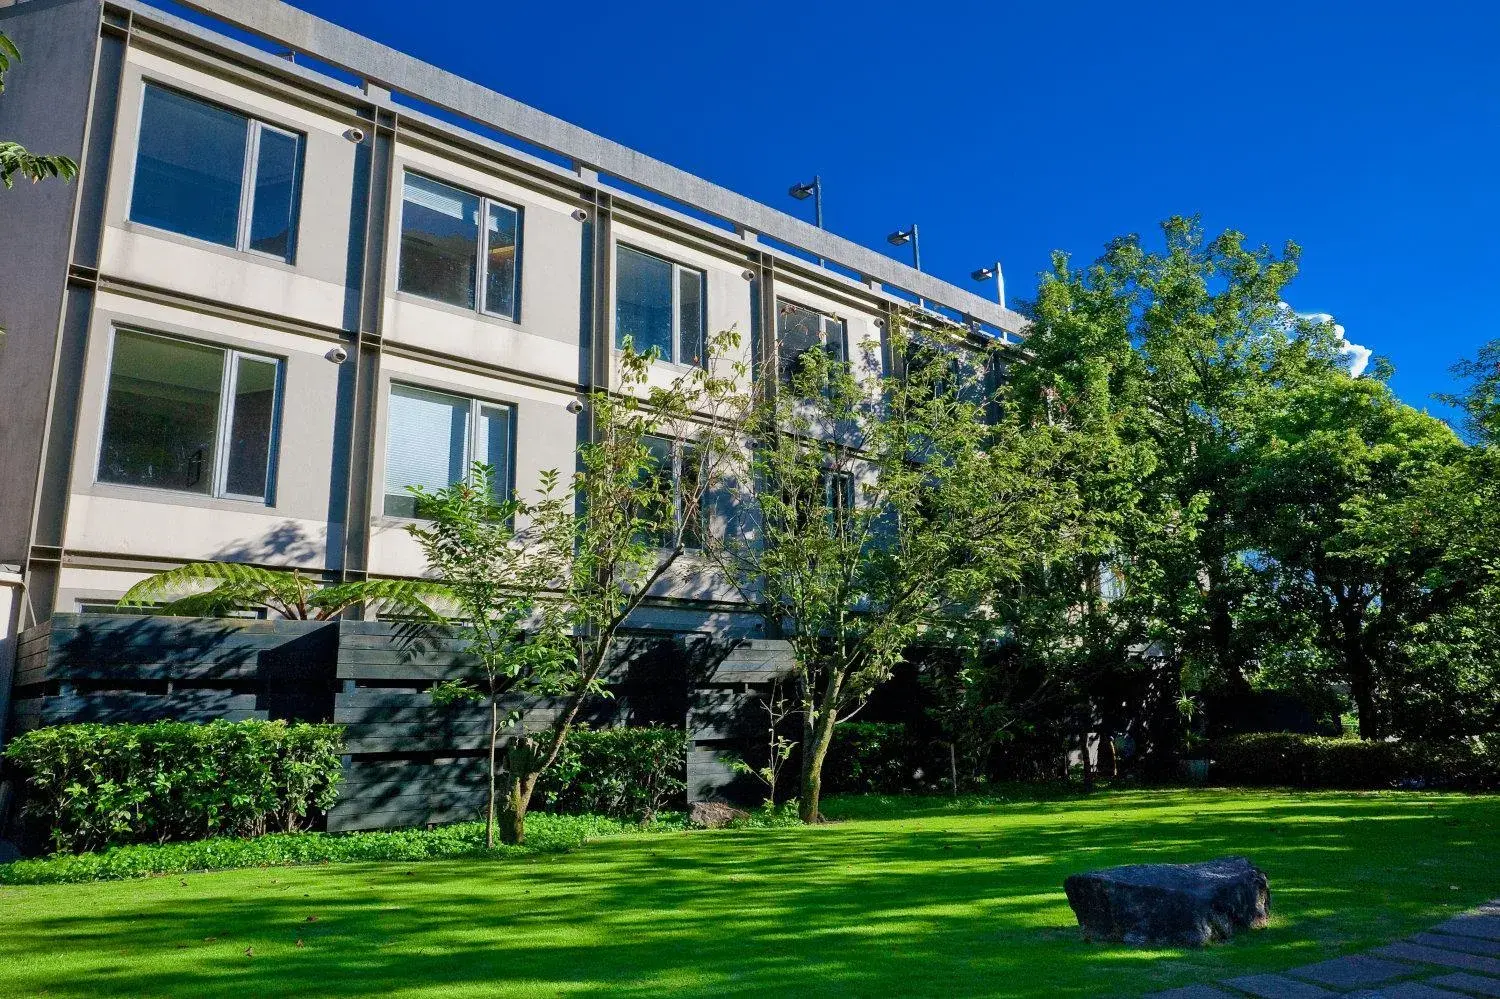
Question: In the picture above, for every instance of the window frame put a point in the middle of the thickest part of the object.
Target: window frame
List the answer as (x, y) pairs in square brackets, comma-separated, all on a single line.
[(840, 495), (248, 168), (481, 256), (678, 269), (784, 376), (477, 405), (681, 449), (223, 421)]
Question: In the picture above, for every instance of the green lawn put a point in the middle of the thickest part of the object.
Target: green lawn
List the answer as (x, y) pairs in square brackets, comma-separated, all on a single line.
[(911, 897)]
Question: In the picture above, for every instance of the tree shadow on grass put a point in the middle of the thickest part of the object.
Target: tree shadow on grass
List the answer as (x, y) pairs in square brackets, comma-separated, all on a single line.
[(939, 901)]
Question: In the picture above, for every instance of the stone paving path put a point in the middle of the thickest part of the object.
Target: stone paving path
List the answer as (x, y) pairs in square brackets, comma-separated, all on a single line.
[(1459, 959)]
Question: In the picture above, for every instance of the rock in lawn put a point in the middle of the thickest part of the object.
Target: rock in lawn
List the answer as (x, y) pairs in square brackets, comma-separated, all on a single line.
[(1179, 905), (714, 814)]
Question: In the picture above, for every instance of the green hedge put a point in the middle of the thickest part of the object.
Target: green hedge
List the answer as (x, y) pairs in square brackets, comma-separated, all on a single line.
[(879, 758), (1286, 759), (619, 772), (95, 786)]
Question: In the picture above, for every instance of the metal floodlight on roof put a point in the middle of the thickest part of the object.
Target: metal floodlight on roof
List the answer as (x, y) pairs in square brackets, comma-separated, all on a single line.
[(802, 191), (899, 237), (993, 273)]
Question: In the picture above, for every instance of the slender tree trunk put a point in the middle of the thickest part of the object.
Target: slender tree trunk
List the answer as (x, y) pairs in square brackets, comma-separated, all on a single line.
[(521, 762), (1361, 673), (820, 737), (489, 822), (517, 802)]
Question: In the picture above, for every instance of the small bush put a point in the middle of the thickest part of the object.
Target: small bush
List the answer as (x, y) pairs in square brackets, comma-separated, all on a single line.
[(544, 834), (1286, 759), (879, 758), (95, 786), (618, 772)]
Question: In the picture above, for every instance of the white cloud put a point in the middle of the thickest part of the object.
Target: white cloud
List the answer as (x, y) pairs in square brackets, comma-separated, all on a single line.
[(1358, 355)]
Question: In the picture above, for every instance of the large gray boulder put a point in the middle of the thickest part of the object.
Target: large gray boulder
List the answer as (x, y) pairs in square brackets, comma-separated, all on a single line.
[(1176, 905), (714, 815)]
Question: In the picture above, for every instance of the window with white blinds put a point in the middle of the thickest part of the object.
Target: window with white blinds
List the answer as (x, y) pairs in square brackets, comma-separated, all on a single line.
[(433, 440)]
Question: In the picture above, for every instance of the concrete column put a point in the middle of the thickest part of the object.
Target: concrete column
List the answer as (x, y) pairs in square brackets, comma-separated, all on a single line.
[(12, 587), (353, 501)]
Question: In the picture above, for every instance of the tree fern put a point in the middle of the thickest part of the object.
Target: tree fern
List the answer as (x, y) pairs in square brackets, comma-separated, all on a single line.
[(220, 589)]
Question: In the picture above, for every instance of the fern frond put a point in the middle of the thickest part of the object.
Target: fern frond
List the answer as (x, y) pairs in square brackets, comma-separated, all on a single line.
[(217, 588), (407, 597)]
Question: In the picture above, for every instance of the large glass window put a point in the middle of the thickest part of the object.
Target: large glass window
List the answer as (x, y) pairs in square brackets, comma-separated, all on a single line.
[(659, 305), (433, 440), (216, 175), (799, 330), (673, 475), (189, 417), (441, 253)]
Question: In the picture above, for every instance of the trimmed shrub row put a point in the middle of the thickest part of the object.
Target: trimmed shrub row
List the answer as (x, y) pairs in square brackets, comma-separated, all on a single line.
[(1285, 759), (92, 786), (88, 787), (627, 773)]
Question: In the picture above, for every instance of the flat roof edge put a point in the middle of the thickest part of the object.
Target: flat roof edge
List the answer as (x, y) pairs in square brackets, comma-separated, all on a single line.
[(386, 67)]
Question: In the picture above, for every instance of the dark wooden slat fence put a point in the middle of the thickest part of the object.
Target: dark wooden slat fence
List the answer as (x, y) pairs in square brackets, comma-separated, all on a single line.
[(408, 762)]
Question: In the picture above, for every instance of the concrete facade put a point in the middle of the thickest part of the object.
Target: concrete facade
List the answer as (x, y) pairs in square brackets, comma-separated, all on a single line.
[(90, 272)]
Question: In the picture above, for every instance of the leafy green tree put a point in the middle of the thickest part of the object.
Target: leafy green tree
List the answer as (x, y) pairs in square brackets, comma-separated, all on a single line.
[(1348, 487), (1480, 401), (15, 160), (221, 589), (1156, 363), (629, 528), (494, 578), (879, 504)]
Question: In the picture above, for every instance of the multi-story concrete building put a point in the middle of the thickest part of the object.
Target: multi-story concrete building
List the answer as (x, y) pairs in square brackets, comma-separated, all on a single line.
[(300, 273)]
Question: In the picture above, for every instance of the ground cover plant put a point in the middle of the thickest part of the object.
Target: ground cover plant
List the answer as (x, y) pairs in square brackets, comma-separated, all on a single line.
[(929, 896), (462, 839)]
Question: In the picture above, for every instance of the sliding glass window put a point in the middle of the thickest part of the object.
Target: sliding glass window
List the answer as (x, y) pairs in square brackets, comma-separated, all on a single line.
[(800, 330), (216, 175), (458, 247), (659, 305), (190, 417), (671, 479)]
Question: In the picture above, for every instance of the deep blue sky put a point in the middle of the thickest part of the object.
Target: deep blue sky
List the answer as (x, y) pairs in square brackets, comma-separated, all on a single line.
[(1368, 132)]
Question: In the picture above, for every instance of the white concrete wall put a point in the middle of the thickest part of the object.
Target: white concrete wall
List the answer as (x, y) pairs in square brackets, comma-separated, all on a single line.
[(11, 593), (160, 523), (544, 340), (532, 363), (311, 288)]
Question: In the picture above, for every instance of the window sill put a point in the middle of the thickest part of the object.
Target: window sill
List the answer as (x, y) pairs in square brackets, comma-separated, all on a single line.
[(174, 497), (488, 318), (248, 256), (676, 367)]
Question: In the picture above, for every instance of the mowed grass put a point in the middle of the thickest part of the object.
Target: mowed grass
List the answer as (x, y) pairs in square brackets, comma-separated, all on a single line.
[(902, 897)]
